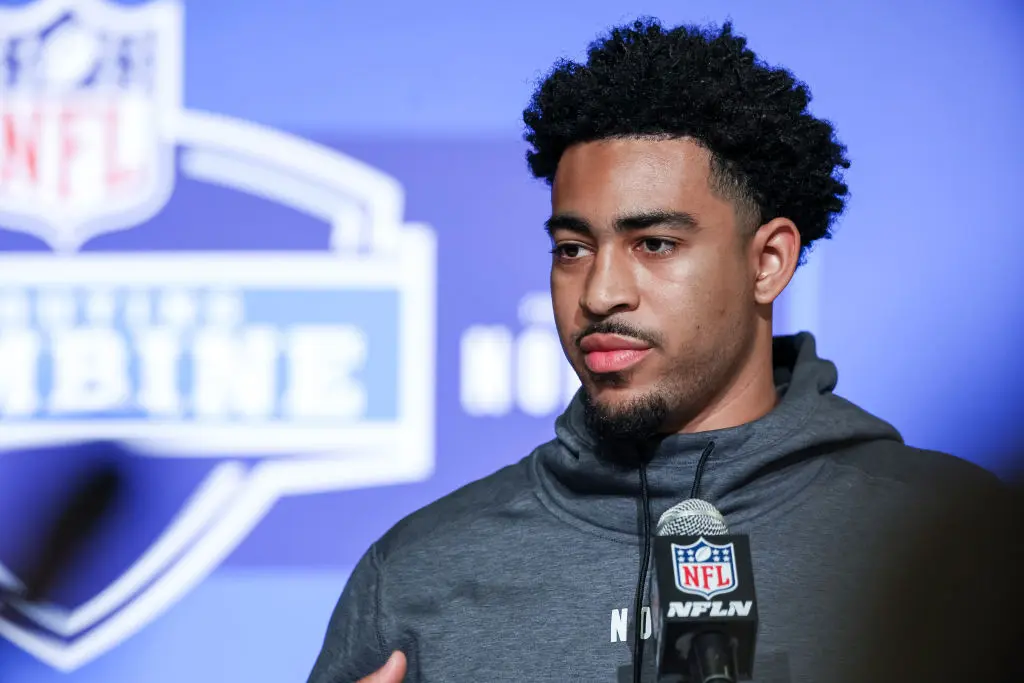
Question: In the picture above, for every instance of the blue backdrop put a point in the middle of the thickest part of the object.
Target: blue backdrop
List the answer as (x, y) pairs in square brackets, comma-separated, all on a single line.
[(284, 265)]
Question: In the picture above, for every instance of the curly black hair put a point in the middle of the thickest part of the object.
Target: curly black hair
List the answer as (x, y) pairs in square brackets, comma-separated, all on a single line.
[(768, 153)]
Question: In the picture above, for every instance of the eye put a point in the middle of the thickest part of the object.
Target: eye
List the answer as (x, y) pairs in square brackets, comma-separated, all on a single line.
[(569, 251), (657, 245)]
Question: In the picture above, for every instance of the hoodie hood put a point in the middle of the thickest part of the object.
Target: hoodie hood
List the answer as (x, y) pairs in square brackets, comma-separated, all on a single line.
[(752, 468)]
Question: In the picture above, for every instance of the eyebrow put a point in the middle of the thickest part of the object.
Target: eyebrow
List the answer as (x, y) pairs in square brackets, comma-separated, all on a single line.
[(677, 220)]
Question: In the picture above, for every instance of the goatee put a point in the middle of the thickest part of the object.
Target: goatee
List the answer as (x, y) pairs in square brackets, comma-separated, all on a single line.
[(640, 420)]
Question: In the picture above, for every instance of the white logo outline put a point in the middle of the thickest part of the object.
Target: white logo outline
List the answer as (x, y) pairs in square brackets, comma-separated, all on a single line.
[(365, 209)]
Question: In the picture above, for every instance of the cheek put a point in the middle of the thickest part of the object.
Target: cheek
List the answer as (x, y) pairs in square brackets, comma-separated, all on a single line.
[(565, 305), (692, 301), (681, 310)]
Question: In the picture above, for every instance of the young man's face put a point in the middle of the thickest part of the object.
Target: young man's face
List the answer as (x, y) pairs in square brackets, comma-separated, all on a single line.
[(650, 281)]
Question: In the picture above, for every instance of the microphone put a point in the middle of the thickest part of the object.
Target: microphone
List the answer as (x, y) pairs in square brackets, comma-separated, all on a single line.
[(702, 597), (80, 515)]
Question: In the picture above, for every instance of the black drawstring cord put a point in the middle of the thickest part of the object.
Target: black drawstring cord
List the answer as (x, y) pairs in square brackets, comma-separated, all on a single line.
[(645, 557), (699, 474), (638, 650)]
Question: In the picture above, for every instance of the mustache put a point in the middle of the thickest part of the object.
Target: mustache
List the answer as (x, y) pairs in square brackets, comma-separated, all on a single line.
[(620, 328)]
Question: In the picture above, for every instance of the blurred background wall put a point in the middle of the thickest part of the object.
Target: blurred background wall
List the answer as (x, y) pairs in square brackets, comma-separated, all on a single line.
[(283, 266)]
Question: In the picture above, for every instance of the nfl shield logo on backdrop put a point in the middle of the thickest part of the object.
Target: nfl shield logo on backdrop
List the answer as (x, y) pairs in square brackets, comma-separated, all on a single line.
[(243, 375), (704, 569), (86, 92)]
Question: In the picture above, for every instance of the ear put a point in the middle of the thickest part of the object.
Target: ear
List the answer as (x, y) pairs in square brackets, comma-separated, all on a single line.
[(774, 254)]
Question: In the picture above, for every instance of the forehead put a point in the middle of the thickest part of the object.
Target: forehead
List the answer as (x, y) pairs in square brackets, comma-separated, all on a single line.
[(611, 176)]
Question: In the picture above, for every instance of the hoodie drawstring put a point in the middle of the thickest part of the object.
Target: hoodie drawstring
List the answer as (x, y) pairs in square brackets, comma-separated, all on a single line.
[(645, 556), (699, 474), (645, 499)]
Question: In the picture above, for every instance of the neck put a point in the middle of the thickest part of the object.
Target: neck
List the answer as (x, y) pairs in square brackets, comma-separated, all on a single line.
[(749, 395)]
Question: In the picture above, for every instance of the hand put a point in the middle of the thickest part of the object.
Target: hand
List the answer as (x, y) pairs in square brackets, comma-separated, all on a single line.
[(393, 670)]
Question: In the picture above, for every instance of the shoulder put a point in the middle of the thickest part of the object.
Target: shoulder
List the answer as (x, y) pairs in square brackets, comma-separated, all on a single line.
[(941, 526), (920, 472), (450, 514)]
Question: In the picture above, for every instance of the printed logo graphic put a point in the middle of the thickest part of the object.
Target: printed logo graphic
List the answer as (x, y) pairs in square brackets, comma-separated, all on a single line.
[(705, 569), (293, 372), (89, 99)]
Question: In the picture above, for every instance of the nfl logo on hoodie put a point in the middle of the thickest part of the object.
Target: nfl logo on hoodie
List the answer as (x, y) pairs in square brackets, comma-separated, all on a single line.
[(705, 569), (271, 373)]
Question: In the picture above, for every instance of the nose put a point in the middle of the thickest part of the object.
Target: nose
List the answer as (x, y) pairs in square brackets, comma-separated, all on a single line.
[(611, 285)]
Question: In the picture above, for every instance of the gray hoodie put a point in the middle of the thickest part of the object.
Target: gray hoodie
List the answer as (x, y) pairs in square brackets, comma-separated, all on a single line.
[(530, 573)]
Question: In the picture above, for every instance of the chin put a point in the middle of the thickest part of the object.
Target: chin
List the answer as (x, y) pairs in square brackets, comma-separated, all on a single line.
[(624, 412)]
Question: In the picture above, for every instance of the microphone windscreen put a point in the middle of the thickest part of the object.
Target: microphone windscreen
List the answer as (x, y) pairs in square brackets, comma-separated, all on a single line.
[(692, 517)]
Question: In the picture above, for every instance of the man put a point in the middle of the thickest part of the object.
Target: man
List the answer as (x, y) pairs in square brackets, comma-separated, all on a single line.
[(687, 180)]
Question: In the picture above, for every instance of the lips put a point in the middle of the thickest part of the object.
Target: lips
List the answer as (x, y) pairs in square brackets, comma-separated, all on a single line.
[(612, 353)]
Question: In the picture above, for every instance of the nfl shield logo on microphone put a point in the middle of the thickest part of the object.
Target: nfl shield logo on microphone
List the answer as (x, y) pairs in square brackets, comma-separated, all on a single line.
[(705, 569)]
